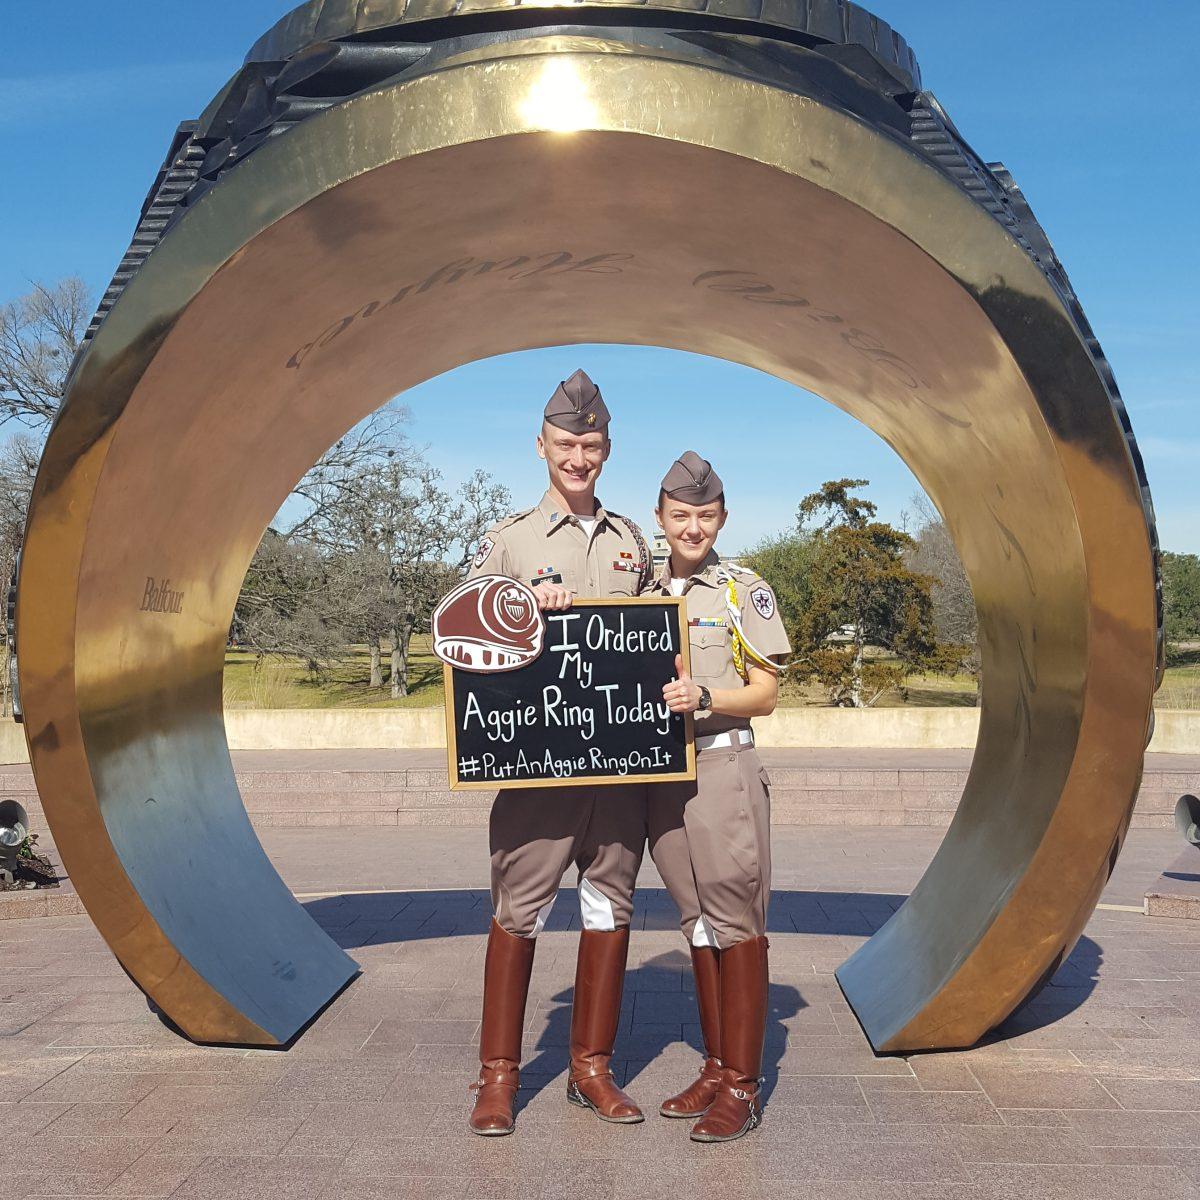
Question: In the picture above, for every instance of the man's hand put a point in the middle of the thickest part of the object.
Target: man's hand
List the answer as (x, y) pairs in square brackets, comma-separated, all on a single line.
[(553, 596), (681, 695)]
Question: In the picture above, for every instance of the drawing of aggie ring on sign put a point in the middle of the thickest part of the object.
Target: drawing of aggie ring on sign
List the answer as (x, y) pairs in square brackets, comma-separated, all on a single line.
[(488, 625)]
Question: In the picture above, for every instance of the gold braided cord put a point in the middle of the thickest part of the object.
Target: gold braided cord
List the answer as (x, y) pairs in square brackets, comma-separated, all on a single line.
[(739, 646)]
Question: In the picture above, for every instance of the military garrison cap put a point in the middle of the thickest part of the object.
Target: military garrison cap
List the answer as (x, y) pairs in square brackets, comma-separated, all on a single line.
[(692, 480), (577, 406)]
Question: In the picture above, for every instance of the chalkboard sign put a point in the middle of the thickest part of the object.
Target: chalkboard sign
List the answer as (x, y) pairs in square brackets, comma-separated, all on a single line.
[(588, 710)]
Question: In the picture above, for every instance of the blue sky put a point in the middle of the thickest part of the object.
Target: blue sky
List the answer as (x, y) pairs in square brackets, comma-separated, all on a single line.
[(1090, 103)]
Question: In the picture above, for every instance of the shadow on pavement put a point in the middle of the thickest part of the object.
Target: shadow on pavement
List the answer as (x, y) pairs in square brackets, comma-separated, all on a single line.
[(1070, 986), (382, 918)]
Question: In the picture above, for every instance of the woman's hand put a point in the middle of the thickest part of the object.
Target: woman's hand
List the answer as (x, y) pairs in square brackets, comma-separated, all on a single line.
[(681, 695)]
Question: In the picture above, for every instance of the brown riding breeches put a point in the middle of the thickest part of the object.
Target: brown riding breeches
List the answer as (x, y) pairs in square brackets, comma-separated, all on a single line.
[(536, 833), (711, 842)]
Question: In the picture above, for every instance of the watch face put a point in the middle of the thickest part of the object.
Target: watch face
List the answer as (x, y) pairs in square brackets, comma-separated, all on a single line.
[(705, 699)]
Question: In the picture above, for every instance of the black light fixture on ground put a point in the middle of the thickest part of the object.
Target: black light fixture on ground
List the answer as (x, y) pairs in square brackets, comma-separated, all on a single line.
[(14, 829), (1187, 819)]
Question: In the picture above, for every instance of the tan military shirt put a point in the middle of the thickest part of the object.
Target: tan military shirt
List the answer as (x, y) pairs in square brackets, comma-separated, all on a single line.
[(546, 545), (710, 629)]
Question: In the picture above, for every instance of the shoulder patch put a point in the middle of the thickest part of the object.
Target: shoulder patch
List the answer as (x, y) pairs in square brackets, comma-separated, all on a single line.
[(763, 600), (486, 546)]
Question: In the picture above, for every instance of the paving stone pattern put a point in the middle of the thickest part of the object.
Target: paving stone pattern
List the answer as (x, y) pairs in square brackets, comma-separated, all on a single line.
[(1092, 1092)]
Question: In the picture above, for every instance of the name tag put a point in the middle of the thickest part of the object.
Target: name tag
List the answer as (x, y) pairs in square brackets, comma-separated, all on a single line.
[(551, 578)]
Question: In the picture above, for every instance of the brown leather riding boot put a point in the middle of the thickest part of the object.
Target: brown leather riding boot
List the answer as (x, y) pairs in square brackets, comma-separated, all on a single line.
[(506, 971), (693, 1101), (735, 1108), (599, 978)]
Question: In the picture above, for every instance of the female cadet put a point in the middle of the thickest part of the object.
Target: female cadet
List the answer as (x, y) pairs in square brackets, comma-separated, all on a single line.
[(711, 839)]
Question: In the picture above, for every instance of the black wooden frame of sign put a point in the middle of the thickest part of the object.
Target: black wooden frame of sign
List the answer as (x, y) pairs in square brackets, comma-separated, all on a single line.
[(689, 773)]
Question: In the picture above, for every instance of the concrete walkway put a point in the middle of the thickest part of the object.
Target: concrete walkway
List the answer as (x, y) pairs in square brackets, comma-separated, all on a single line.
[(1092, 1092)]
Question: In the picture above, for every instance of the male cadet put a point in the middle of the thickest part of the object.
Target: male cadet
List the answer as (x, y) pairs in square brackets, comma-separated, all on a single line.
[(568, 545)]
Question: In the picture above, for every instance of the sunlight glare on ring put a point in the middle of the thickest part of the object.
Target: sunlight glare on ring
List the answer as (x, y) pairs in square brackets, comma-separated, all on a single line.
[(558, 99)]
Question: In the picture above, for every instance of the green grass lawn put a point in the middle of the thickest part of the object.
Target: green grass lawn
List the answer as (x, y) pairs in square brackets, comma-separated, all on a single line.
[(284, 683), (1181, 684), (251, 682)]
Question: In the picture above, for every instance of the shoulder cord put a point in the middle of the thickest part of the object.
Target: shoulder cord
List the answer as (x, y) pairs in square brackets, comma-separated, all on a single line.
[(742, 645), (647, 573)]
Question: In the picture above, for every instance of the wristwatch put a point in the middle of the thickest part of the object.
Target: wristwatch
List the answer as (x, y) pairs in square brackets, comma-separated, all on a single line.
[(705, 699)]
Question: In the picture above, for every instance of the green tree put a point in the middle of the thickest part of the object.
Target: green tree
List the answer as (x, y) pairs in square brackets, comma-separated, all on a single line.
[(861, 590), (1181, 597), (785, 561)]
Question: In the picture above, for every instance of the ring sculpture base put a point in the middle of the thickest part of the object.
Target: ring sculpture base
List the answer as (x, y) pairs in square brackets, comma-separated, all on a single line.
[(382, 194)]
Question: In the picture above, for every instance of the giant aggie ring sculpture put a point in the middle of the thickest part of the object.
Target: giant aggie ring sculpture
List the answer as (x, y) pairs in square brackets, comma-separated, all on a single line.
[(385, 192)]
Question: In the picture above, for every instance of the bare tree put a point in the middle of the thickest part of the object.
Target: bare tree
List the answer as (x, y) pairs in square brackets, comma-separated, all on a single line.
[(395, 520), (932, 553), (293, 602), (955, 621), (18, 466), (367, 567), (40, 334), (484, 502), (375, 442), (329, 492)]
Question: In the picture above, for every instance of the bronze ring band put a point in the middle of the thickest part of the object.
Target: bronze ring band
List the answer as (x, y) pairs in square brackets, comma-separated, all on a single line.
[(546, 190)]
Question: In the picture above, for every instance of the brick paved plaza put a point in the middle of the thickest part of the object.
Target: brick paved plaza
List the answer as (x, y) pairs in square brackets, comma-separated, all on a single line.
[(1094, 1091)]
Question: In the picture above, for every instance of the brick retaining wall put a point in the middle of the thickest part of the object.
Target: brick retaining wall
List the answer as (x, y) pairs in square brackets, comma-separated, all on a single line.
[(825, 794)]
